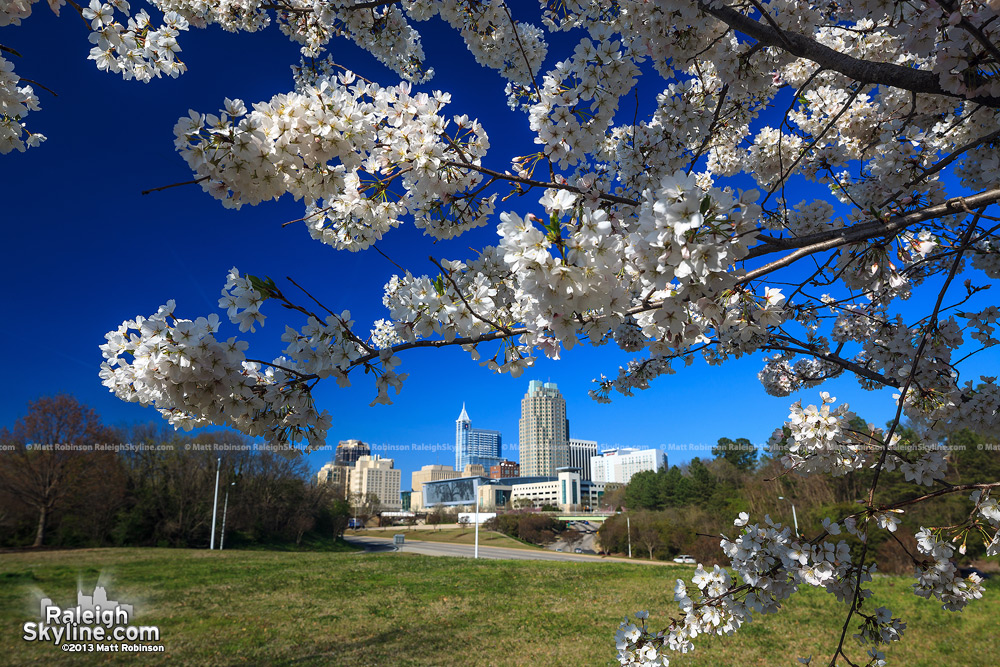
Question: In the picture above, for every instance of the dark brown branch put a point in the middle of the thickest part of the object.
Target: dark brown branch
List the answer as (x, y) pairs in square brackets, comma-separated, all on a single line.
[(783, 177), (862, 71), (174, 185), (945, 161), (372, 4), (538, 184), (42, 86), (846, 364), (711, 128), (958, 488), (458, 290), (827, 240)]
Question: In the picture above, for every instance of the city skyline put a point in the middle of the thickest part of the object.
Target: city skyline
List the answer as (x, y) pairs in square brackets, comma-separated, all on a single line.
[(420, 456)]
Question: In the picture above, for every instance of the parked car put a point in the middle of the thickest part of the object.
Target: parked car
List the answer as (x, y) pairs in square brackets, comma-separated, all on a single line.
[(356, 524), (685, 559), (578, 550)]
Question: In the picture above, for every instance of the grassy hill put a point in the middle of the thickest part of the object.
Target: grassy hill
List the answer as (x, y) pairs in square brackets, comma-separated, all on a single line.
[(310, 608)]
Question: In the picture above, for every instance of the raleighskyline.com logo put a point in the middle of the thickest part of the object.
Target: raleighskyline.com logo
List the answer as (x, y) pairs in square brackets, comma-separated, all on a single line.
[(96, 624)]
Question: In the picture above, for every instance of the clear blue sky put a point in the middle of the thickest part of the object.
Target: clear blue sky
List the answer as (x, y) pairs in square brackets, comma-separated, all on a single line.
[(83, 250)]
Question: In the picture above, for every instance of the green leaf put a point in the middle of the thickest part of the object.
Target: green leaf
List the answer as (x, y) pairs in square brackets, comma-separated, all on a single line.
[(439, 285), (262, 286)]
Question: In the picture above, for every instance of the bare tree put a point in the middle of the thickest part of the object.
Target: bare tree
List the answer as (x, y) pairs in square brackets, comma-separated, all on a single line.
[(52, 456), (648, 529)]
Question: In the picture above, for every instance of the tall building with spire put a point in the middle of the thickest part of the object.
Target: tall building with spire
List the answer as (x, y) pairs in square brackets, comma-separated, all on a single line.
[(475, 445), (544, 431)]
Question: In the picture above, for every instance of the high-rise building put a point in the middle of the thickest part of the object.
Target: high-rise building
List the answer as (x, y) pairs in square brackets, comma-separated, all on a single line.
[(337, 472), (505, 469), (349, 451), (475, 445), (580, 452), (618, 465), (376, 476), (544, 431), (336, 476)]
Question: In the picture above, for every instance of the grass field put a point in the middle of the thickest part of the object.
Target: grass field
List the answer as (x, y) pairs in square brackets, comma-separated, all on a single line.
[(487, 538), (240, 607)]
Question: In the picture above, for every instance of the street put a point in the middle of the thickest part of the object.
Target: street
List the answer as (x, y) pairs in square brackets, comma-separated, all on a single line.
[(378, 544)]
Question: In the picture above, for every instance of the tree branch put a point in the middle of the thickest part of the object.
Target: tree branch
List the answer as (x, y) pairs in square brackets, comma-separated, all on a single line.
[(863, 71), (827, 240)]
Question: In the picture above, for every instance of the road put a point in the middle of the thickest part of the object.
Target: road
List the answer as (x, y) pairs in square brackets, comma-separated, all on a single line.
[(586, 542), (376, 544)]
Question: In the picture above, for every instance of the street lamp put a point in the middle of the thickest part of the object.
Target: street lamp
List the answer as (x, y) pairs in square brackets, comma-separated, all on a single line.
[(795, 519), (215, 503), (628, 522), (225, 510)]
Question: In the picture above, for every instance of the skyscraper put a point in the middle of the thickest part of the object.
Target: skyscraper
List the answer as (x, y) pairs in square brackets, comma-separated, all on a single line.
[(375, 476), (475, 445), (337, 473), (544, 431), (580, 452), (349, 451)]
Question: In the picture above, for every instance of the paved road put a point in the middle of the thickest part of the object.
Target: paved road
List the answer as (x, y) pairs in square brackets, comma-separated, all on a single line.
[(467, 551)]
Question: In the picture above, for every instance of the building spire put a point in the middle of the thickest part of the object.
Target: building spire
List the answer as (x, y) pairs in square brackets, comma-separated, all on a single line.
[(464, 417)]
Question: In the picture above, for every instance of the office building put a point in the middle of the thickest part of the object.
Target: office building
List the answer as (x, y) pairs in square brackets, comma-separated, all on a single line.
[(376, 476), (337, 476), (618, 465), (506, 468), (428, 473), (349, 451), (580, 453), (568, 491), (544, 431), (475, 445)]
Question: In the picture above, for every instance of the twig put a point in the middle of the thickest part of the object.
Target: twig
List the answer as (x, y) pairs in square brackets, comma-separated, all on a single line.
[(174, 185)]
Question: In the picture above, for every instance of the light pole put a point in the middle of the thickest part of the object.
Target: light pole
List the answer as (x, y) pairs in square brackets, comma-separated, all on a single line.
[(215, 503), (225, 510), (628, 522), (477, 519), (795, 519)]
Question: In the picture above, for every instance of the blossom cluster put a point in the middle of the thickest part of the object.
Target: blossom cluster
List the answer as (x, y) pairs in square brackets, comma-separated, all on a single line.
[(939, 577), (135, 49), (193, 379), (361, 156), (772, 564), (15, 103), (988, 508), (821, 439)]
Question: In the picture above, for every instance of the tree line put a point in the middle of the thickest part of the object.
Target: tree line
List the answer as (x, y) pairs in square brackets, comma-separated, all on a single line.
[(63, 483), (684, 509)]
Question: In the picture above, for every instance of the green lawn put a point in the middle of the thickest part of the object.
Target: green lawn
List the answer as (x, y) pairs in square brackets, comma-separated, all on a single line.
[(311, 608)]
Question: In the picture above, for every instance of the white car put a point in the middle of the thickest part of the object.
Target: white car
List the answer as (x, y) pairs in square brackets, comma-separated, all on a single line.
[(685, 559)]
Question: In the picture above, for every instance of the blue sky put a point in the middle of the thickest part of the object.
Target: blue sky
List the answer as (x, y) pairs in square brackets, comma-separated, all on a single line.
[(83, 250)]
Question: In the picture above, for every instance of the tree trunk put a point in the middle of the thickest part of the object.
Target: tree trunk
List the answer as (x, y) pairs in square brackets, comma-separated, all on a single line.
[(40, 533)]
